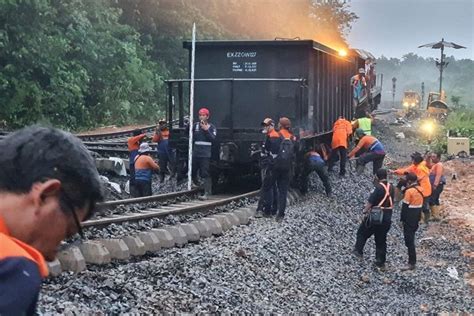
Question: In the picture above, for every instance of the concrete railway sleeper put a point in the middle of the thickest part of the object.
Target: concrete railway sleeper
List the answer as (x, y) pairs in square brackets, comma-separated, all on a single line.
[(76, 256)]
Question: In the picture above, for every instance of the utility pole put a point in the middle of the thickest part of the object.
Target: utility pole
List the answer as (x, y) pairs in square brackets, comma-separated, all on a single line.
[(394, 85), (441, 64), (422, 94)]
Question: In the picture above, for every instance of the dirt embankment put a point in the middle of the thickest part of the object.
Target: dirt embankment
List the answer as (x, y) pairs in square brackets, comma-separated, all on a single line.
[(457, 198), (458, 208)]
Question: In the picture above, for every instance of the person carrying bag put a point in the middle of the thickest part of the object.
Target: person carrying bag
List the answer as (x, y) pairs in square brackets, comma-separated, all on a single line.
[(377, 220), (376, 213)]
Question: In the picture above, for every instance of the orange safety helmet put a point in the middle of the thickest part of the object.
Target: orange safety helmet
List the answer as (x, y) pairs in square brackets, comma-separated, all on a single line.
[(285, 122), (203, 111)]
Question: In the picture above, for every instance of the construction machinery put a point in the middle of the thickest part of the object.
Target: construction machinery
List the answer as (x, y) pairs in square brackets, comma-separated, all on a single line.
[(436, 107), (411, 103)]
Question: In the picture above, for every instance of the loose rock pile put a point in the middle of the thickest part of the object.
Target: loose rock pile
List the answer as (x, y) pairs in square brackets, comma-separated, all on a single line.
[(301, 265)]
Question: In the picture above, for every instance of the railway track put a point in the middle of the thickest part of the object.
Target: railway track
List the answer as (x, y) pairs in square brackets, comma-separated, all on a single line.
[(174, 208), (120, 136), (133, 240), (105, 139)]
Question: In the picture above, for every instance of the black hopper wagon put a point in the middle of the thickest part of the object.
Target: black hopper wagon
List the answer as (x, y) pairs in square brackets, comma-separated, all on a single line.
[(243, 82)]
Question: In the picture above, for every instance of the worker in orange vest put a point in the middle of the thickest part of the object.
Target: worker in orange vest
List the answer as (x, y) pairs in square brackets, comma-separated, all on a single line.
[(341, 130), (419, 168), (373, 151), (49, 184), (410, 215)]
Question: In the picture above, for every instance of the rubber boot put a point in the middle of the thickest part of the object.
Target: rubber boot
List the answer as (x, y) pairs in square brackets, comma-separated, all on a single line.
[(207, 189)]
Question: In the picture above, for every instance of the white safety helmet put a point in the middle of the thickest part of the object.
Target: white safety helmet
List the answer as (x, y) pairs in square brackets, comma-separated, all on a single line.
[(144, 148)]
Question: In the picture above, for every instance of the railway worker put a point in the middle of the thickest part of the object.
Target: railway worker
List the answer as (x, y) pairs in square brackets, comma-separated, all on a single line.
[(373, 151), (48, 185), (341, 131), (358, 84), (419, 168), (410, 215), (268, 202), (204, 134), (144, 168), (283, 164), (161, 137), (133, 145), (437, 181), (382, 199), (365, 123), (314, 161)]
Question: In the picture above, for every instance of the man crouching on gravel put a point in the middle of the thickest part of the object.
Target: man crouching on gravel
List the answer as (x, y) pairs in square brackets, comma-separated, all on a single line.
[(48, 185)]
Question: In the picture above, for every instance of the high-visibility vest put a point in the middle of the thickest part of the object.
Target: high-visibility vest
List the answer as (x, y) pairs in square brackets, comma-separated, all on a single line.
[(365, 124)]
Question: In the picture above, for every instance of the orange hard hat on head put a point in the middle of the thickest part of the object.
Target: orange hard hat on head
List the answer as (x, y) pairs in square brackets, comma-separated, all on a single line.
[(285, 122), (203, 111)]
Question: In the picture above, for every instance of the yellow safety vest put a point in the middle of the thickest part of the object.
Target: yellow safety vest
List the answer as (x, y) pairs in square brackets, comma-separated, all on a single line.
[(365, 124)]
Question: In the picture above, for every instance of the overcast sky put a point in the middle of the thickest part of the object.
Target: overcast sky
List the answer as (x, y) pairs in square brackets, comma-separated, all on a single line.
[(395, 27)]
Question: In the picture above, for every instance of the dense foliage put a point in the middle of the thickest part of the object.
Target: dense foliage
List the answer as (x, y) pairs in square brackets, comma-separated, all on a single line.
[(72, 64), (460, 123), (82, 63)]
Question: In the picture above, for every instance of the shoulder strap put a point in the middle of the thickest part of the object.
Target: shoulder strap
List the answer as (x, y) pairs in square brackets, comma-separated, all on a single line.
[(414, 187), (136, 158), (387, 195)]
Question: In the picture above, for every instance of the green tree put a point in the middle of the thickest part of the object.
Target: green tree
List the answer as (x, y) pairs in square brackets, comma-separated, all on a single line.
[(71, 63)]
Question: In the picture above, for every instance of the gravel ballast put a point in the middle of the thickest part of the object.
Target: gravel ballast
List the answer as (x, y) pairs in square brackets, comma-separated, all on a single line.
[(303, 264)]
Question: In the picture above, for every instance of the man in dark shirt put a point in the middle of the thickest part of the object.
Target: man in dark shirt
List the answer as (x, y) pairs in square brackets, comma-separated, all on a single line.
[(381, 197), (268, 202), (48, 185), (204, 135), (313, 161)]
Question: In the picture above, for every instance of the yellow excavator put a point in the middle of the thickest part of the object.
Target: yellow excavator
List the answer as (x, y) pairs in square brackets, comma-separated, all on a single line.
[(436, 107)]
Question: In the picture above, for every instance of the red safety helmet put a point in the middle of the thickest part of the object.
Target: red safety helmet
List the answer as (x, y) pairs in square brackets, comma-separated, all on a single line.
[(204, 111)]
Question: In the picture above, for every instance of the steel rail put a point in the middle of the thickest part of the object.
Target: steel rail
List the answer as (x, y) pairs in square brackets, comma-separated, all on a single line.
[(114, 134), (108, 150), (180, 208), (153, 198)]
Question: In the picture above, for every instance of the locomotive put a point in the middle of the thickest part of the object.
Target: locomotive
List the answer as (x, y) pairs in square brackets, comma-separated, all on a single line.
[(243, 82)]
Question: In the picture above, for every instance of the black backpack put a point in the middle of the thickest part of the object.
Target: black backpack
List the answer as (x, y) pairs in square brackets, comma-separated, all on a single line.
[(284, 159)]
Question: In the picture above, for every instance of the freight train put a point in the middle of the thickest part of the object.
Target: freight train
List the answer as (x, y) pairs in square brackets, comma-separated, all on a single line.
[(243, 82)]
